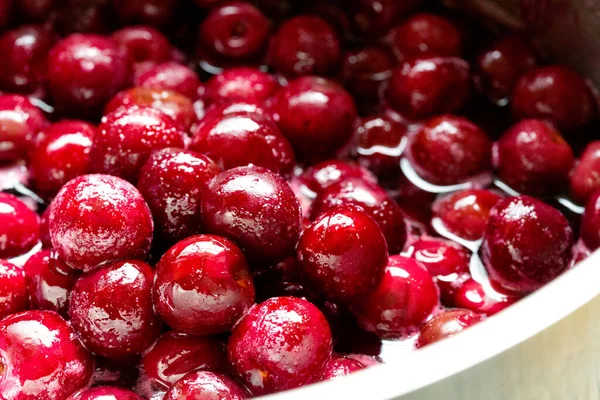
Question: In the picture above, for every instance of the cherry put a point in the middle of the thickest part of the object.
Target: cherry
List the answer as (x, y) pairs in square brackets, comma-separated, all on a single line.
[(173, 104), (233, 33), (499, 67), (471, 295), (533, 158), (19, 227), (25, 49), (105, 393), (364, 71), (376, 17), (84, 72), (150, 12), (449, 149), (172, 182), (555, 93), (256, 209), (82, 16), (590, 222), (20, 122), (241, 84), (305, 45), (427, 86), (49, 282), (45, 229), (326, 173), (465, 213), (445, 325), (585, 177), (316, 115), (203, 285), (206, 385), (111, 309), (96, 219), (237, 140), (374, 200), (169, 76), (143, 43), (61, 153), (13, 289), (126, 138), (175, 354), (341, 366), (425, 35), (404, 299), (282, 343), (42, 357), (516, 256)]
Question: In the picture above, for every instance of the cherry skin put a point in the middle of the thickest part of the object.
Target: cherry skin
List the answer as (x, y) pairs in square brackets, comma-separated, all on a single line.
[(45, 229), (241, 84), (42, 357), (25, 50), (280, 344), (204, 385), (169, 76), (326, 173), (84, 72), (96, 219), (343, 253), (533, 158), (237, 140), (256, 209), (404, 299), (445, 325), (172, 181), (465, 213), (105, 393), (341, 366), (499, 67), (233, 33), (111, 309), (49, 282), (471, 295), (590, 222), (425, 35), (450, 149), (175, 354), (585, 177), (427, 86), (374, 200), (173, 104), (516, 256), (126, 138), (316, 115), (305, 45), (19, 227), (150, 12), (375, 17), (203, 285), (555, 93), (143, 43), (365, 70), (20, 122), (13, 289), (61, 154)]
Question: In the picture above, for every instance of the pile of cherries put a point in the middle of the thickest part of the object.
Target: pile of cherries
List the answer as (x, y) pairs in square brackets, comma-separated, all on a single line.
[(205, 199)]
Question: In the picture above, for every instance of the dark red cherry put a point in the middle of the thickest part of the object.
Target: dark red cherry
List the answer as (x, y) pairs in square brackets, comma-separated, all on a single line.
[(82, 16), (203, 285), (256, 209), (206, 385), (241, 84), (19, 227), (282, 343), (169, 76), (305, 45), (61, 153), (111, 309), (143, 43), (450, 149), (376, 17), (365, 70), (471, 295), (96, 219), (320, 176), (84, 72), (172, 181), (281, 279), (590, 222), (555, 93), (374, 200), (585, 177), (45, 229), (13, 289), (404, 299), (150, 12), (35, 10), (340, 366), (517, 257), (105, 393), (316, 115), (465, 213), (447, 324), (533, 158), (428, 86), (42, 357), (20, 122)]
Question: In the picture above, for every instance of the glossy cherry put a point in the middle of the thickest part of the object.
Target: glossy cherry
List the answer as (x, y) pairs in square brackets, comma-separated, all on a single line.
[(105, 393), (326, 173), (13, 289), (517, 257), (446, 324), (256, 209), (206, 385), (585, 177), (241, 84), (96, 219), (590, 222), (282, 343), (20, 122), (471, 295), (169, 76), (341, 366), (19, 227), (143, 43), (365, 70)]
